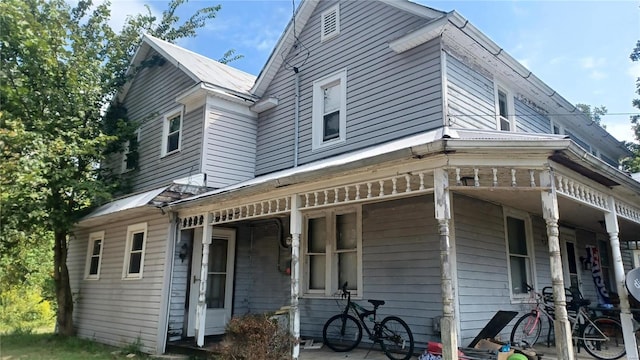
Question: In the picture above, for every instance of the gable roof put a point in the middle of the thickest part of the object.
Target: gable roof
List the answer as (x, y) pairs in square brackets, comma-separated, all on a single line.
[(302, 15), (198, 67)]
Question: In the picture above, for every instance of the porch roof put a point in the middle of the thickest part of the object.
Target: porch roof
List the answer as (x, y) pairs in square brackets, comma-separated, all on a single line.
[(431, 142)]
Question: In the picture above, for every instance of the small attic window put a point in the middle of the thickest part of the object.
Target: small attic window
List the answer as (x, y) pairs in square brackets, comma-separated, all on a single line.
[(330, 25)]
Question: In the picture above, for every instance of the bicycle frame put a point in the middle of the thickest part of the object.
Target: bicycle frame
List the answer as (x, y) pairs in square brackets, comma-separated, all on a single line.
[(578, 322), (361, 313)]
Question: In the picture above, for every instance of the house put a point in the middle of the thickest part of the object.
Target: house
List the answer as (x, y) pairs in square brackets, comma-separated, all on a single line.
[(384, 144)]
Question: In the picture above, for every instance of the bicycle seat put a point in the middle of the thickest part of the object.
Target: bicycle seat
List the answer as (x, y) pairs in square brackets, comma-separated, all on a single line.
[(376, 303)]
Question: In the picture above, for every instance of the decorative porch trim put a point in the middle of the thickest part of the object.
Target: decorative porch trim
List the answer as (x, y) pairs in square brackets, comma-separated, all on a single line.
[(495, 177), (252, 210), (627, 211), (576, 190), (408, 184), (191, 221)]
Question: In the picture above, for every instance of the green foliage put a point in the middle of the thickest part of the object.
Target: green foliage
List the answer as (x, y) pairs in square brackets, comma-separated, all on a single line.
[(23, 310), (134, 347), (632, 164), (61, 68), (256, 337), (594, 114), (52, 347)]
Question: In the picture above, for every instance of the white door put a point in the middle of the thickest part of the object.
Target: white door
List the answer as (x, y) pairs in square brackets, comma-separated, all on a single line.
[(570, 259), (219, 295)]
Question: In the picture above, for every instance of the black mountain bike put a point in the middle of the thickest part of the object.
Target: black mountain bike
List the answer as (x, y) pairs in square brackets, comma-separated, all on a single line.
[(343, 332)]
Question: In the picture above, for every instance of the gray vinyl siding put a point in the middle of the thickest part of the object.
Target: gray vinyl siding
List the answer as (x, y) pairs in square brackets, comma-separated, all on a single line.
[(530, 121), (260, 285), (230, 150), (470, 97), (389, 95), (115, 311), (400, 266), (151, 96), (472, 105), (483, 282)]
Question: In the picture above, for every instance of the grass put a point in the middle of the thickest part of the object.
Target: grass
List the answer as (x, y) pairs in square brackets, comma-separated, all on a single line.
[(49, 346)]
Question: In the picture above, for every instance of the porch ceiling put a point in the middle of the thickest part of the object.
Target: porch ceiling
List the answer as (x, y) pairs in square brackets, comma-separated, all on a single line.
[(572, 213)]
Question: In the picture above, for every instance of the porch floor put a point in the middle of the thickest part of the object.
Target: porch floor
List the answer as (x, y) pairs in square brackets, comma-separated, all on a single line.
[(376, 354)]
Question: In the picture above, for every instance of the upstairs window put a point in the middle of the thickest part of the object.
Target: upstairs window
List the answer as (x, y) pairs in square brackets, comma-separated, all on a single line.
[(330, 23), (172, 132), (519, 252), (329, 110), (134, 251), (504, 110), (333, 252), (130, 155), (94, 256)]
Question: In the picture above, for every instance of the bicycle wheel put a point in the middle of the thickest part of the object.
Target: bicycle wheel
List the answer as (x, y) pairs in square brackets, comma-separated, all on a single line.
[(603, 339), (526, 331), (396, 338), (342, 332)]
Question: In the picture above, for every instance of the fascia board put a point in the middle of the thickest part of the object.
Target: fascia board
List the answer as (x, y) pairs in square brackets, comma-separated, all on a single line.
[(516, 146), (170, 58)]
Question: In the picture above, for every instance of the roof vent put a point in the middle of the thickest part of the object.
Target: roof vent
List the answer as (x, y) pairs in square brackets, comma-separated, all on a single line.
[(330, 23)]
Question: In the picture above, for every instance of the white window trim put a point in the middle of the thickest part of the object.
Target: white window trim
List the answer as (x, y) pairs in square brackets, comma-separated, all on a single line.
[(165, 131), (133, 229), (511, 111), (532, 278), (331, 274), (93, 237), (335, 33), (126, 151), (318, 107)]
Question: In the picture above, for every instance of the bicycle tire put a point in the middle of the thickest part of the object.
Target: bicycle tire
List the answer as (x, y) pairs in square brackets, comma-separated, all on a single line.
[(594, 343), (395, 338), (526, 331), (342, 333)]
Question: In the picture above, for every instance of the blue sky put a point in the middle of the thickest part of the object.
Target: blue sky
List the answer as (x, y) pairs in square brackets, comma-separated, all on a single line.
[(579, 48)]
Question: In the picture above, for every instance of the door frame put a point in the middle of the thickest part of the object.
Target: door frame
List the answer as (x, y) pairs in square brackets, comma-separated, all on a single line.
[(568, 236), (228, 234)]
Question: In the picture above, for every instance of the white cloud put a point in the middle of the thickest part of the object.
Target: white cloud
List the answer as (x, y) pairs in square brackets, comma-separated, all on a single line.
[(120, 9), (634, 70), (597, 75), (590, 62), (620, 130), (525, 62)]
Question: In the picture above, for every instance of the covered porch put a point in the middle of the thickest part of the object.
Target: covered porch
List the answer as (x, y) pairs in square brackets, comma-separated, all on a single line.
[(416, 202)]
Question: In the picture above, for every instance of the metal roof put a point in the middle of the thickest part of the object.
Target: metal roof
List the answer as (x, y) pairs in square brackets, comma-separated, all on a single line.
[(404, 145), (201, 68)]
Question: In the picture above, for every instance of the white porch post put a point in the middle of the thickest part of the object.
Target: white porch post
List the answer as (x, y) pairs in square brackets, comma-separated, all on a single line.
[(294, 312), (448, 327), (201, 308), (626, 319), (551, 215)]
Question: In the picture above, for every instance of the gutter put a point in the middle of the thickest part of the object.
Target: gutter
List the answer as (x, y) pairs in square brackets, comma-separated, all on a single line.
[(218, 91)]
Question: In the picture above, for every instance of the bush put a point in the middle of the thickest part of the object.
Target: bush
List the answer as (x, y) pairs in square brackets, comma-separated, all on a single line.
[(23, 310), (256, 337)]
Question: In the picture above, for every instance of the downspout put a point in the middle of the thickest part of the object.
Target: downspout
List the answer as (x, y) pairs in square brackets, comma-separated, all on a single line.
[(296, 116)]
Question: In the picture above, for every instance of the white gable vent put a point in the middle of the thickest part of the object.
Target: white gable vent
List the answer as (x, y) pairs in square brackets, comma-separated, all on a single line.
[(330, 23)]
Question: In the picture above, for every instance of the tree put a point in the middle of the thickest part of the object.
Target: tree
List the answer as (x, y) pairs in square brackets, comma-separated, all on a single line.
[(632, 164), (61, 66), (594, 114)]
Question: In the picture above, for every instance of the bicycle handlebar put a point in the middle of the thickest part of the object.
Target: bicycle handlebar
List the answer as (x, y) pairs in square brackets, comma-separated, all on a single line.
[(345, 292)]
